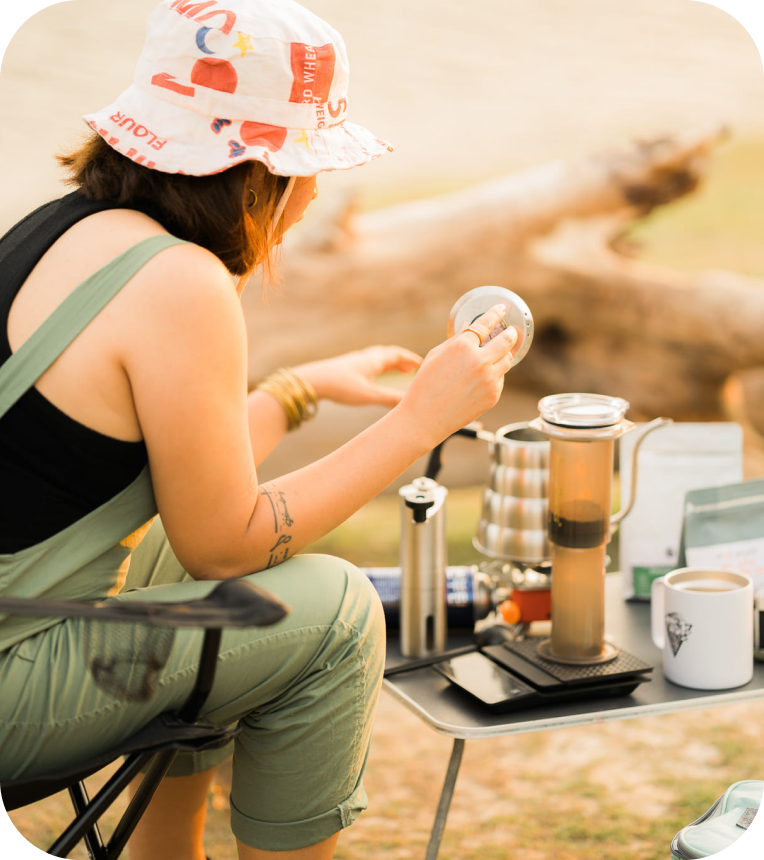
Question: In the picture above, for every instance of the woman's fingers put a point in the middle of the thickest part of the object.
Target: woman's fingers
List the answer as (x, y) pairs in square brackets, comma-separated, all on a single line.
[(501, 345), (504, 364), (485, 324), (374, 360), (397, 358)]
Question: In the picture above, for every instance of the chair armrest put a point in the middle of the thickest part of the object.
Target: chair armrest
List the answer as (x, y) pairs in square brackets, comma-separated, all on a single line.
[(232, 603)]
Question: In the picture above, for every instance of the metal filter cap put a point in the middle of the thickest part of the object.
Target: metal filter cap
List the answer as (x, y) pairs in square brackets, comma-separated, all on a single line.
[(476, 302)]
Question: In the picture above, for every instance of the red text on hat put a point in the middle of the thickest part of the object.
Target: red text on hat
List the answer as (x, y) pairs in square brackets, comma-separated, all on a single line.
[(189, 9), (313, 71)]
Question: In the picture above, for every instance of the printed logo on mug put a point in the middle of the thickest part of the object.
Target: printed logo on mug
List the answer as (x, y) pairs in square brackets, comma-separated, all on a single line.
[(702, 620), (677, 630)]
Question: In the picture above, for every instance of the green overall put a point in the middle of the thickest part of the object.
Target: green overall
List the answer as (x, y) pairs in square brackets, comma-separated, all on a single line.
[(304, 690)]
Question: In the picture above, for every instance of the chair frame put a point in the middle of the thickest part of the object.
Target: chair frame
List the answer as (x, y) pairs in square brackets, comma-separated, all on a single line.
[(232, 603)]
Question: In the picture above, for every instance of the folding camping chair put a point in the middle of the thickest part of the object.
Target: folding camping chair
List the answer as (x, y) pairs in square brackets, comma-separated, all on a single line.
[(232, 603)]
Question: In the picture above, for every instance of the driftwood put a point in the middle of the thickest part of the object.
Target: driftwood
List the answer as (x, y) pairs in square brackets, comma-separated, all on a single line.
[(667, 341)]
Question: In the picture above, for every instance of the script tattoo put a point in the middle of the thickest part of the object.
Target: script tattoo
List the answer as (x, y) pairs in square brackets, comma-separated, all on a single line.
[(282, 522)]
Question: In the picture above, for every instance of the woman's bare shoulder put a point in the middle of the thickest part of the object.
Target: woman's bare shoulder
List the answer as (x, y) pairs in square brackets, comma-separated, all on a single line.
[(181, 294), (179, 274)]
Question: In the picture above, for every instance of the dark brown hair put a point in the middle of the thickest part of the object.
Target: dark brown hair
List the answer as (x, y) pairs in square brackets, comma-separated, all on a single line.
[(211, 211)]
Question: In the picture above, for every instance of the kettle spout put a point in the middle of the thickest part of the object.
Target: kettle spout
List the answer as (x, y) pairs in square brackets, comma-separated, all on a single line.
[(626, 508)]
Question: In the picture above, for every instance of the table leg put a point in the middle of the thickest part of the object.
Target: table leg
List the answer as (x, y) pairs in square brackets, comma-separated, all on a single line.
[(445, 799)]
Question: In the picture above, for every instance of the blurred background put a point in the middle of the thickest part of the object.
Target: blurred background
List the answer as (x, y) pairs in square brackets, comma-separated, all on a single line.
[(468, 93), (465, 94)]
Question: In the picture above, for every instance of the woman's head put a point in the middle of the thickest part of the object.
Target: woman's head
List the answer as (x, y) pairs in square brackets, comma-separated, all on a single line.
[(225, 81), (227, 96), (229, 213)]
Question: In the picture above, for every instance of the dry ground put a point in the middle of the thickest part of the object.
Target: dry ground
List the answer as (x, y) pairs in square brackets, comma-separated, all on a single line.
[(615, 791)]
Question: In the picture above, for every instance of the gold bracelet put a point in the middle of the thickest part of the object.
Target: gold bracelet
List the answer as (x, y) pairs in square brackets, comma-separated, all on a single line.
[(295, 394)]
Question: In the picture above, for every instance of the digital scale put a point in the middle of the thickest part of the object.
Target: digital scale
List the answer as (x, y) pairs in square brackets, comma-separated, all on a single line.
[(512, 676)]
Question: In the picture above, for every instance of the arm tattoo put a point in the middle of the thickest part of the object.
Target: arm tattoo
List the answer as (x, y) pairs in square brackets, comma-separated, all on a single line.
[(282, 522)]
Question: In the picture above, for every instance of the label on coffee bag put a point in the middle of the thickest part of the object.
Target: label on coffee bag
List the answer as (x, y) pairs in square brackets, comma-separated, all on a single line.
[(644, 576), (742, 556)]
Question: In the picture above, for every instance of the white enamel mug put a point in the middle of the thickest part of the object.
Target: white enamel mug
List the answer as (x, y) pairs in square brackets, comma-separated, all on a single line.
[(702, 620)]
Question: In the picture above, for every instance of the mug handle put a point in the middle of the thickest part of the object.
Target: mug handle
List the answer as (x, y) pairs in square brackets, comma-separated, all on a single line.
[(658, 611)]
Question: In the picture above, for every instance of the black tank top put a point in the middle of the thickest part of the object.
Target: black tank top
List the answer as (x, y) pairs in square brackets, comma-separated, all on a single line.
[(53, 470)]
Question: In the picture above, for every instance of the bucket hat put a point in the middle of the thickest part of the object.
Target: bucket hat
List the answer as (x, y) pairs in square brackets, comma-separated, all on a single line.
[(221, 81)]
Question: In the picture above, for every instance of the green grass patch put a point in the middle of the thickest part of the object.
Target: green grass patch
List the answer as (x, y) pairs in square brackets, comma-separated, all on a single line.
[(718, 226), (581, 787), (371, 537)]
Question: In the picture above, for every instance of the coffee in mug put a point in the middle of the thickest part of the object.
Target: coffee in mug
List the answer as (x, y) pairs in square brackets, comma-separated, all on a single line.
[(702, 586), (702, 620)]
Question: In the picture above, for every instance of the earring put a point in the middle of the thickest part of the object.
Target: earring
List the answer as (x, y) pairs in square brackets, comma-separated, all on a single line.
[(252, 202)]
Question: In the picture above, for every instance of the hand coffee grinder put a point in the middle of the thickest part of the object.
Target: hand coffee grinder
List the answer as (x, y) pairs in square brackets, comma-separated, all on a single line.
[(423, 568), (582, 429)]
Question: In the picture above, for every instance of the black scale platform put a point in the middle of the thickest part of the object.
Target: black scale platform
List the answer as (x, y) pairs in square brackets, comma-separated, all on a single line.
[(513, 676), (623, 664)]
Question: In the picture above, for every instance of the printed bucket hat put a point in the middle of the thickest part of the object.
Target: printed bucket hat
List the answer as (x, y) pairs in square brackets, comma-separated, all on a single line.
[(221, 81)]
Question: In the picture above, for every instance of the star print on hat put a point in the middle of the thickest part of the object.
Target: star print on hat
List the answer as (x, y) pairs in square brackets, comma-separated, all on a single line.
[(224, 81)]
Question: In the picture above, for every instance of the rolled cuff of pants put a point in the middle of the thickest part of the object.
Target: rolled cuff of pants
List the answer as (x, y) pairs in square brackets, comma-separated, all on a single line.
[(292, 835)]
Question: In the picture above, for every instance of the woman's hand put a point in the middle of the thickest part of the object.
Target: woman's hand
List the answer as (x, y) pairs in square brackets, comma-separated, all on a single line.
[(459, 380), (349, 378)]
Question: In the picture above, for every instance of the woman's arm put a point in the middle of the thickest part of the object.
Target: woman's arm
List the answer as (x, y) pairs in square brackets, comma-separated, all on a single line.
[(348, 379), (267, 422), (186, 359)]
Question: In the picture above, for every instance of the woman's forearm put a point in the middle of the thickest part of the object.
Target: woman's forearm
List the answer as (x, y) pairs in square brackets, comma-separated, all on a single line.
[(297, 509), (349, 379), (267, 424), (458, 381)]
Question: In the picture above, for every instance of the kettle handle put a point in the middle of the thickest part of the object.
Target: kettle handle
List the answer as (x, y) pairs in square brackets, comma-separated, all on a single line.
[(471, 431), (626, 509)]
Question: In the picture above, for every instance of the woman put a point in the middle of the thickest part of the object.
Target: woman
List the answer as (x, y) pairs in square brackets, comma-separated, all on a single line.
[(123, 392)]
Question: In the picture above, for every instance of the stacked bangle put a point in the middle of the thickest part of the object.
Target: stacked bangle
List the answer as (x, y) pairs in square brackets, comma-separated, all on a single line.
[(295, 394)]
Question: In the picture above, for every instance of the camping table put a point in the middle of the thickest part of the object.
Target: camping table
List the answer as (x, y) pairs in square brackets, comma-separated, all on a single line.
[(450, 712)]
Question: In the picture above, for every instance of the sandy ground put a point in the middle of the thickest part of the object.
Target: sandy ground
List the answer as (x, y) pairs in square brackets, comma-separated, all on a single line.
[(613, 791)]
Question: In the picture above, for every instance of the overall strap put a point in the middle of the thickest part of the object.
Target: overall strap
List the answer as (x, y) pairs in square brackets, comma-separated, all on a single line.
[(79, 308)]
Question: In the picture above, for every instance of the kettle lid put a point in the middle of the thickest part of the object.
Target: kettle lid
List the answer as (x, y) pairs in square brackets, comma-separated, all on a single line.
[(583, 411)]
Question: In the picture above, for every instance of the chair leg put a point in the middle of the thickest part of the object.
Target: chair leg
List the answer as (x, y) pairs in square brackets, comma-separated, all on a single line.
[(98, 805), (93, 840), (159, 766)]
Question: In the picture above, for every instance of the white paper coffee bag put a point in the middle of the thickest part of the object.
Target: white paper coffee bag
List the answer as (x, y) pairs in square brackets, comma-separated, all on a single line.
[(672, 460)]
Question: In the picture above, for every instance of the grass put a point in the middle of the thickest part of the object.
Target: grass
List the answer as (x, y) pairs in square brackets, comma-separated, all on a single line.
[(717, 227), (537, 797), (371, 538)]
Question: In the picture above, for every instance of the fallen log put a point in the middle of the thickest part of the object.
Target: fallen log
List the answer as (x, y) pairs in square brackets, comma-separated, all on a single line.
[(665, 340)]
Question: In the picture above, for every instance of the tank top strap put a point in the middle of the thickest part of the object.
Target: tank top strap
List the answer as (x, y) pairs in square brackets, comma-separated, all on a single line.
[(20, 372)]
